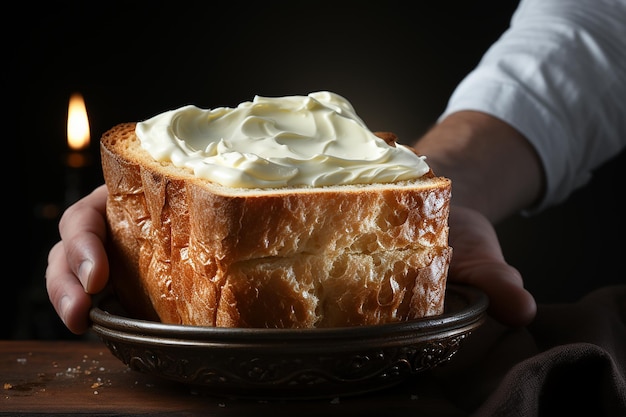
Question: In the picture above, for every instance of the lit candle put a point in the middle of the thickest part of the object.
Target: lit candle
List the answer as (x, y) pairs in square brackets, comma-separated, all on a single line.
[(78, 137)]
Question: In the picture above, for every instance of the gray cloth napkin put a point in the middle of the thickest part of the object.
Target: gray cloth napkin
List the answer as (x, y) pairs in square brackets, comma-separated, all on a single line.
[(570, 361)]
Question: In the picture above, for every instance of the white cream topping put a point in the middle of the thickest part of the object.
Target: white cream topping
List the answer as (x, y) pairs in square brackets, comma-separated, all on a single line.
[(313, 140)]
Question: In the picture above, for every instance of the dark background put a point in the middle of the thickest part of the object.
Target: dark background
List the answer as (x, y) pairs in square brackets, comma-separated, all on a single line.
[(397, 62)]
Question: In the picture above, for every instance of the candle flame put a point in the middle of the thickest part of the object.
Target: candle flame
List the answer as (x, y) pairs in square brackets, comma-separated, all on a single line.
[(77, 123)]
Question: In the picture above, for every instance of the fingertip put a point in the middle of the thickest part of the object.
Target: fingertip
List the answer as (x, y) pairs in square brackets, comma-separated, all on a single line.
[(74, 312), (87, 258), (517, 309), (68, 298), (528, 310), (64, 308), (85, 275)]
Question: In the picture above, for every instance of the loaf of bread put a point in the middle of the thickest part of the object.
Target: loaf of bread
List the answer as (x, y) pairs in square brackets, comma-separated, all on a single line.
[(185, 249)]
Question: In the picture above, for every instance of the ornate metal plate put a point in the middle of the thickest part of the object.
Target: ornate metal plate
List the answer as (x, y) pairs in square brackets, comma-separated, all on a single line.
[(286, 363)]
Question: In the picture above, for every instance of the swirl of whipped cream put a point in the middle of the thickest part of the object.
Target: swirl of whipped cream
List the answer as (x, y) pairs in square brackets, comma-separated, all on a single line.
[(315, 140)]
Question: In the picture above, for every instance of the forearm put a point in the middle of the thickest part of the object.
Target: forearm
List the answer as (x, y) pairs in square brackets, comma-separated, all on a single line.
[(492, 166), (558, 76)]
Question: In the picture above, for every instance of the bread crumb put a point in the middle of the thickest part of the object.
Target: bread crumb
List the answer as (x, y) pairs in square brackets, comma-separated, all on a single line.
[(8, 385)]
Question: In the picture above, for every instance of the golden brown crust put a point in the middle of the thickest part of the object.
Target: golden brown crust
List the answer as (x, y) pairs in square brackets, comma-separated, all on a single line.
[(192, 252)]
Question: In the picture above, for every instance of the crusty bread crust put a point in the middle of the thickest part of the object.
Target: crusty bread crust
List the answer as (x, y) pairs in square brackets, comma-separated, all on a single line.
[(187, 251)]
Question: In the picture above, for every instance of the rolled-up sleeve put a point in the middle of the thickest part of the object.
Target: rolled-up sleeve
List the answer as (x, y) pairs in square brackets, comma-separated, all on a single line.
[(558, 75)]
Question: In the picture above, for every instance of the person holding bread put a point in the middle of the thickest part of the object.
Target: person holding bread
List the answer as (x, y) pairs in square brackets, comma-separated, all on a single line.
[(543, 109), (520, 133)]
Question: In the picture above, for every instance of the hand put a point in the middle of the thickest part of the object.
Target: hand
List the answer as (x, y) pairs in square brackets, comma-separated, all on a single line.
[(77, 265), (495, 173), (477, 260)]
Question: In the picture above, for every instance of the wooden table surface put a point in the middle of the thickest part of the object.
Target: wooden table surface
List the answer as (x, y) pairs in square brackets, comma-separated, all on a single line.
[(83, 377)]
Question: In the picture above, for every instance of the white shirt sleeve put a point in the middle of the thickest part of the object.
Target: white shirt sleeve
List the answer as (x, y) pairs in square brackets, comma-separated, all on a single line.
[(558, 75)]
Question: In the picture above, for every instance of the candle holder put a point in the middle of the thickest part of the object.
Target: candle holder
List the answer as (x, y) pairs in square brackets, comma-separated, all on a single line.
[(77, 164)]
